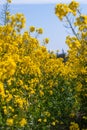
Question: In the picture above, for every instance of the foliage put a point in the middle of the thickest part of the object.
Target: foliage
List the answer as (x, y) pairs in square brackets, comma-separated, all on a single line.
[(38, 91)]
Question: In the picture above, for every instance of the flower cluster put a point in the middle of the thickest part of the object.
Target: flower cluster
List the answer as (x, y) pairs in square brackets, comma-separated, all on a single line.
[(61, 10), (37, 89)]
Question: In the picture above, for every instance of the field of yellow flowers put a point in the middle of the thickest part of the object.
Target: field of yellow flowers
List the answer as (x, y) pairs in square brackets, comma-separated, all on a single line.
[(39, 91)]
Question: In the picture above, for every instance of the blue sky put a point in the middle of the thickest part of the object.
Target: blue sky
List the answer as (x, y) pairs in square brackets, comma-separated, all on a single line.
[(41, 14), (45, 1)]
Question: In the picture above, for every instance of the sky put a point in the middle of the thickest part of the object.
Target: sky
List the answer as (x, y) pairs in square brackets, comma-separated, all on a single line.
[(45, 1), (40, 13)]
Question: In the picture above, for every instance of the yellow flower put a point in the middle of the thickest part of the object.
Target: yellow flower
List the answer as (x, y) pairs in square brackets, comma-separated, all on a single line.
[(39, 30), (45, 120), (9, 1), (32, 92), (39, 120), (23, 122), (47, 113), (79, 87), (7, 13), (12, 109), (74, 126), (10, 66), (9, 122), (5, 110), (72, 115), (19, 101), (46, 40), (32, 28), (73, 6), (84, 117), (41, 93), (9, 97), (61, 10), (53, 123), (51, 92), (9, 82), (2, 93)]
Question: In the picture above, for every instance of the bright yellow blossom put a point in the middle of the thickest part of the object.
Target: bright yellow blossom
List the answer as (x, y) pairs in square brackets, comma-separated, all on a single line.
[(53, 123), (9, 122), (9, 1), (32, 28), (39, 120), (45, 120), (39, 30), (74, 126), (23, 122), (46, 40)]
